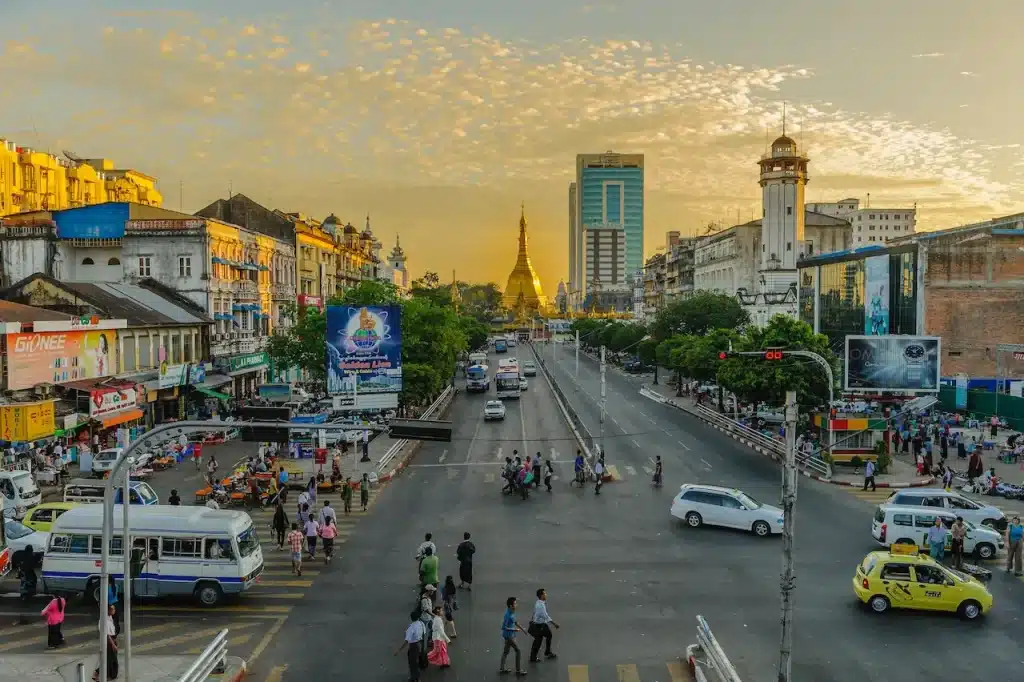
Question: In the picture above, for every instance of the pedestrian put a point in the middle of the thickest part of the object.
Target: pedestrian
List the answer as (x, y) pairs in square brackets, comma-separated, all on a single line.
[(451, 605), (464, 553), (549, 471), (346, 495), (111, 640), (536, 470), (328, 532), (174, 500), (280, 524), (869, 475), (254, 493), (415, 635), (364, 491), (937, 540), (312, 529), (540, 628), (1014, 546), (959, 532), (327, 513), (947, 479), (599, 474), (282, 478), (211, 470), (657, 471), (311, 491), (439, 652), (428, 568), (54, 615), (112, 601), (366, 444), (295, 545), (509, 629)]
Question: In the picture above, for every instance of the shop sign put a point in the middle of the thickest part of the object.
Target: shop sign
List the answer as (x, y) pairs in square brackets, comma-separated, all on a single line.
[(58, 357), (104, 402), (77, 324), (27, 422), (72, 420), (160, 225), (187, 374), (240, 363), (307, 301)]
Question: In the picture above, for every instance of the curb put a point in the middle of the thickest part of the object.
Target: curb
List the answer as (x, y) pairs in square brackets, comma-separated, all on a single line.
[(757, 448), (240, 674)]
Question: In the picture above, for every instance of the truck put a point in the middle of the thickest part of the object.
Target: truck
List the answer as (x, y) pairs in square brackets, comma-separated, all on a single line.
[(281, 393), (477, 380), (500, 346)]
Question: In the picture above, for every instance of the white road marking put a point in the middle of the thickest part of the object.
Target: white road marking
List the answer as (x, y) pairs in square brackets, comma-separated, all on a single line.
[(705, 462), (488, 478), (444, 455), (554, 455), (449, 465), (630, 470), (452, 474), (649, 471), (472, 442), (498, 455), (635, 443), (683, 444), (614, 421)]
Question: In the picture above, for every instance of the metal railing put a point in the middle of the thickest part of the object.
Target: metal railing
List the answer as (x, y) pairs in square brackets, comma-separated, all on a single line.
[(211, 661), (590, 444), (803, 460), (707, 655), (436, 407)]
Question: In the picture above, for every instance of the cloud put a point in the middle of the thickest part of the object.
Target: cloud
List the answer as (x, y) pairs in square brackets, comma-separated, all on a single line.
[(404, 109), (929, 55), (969, 74)]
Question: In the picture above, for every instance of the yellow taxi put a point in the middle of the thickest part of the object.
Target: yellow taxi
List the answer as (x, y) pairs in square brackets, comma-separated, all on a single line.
[(904, 579), (42, 516)]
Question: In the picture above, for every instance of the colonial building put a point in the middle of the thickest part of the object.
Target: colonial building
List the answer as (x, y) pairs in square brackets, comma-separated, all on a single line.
[(871, 224)]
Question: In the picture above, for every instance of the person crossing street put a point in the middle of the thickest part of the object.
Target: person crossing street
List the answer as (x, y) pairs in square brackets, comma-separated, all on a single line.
[(540, 628)]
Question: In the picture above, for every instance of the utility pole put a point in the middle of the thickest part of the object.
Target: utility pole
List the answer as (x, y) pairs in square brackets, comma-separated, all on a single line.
[(577, 354), (603, 400), (126, 572), (788, 571)]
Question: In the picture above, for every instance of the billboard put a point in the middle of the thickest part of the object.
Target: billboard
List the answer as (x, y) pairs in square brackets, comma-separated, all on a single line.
[(58, 357), (364, 349), (892, 363), (104, 402), (181, 375), (25, 422), (876, 295)]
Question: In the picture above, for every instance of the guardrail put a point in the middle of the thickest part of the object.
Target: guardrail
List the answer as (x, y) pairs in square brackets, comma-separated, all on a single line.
[(582, 433), (439, 405), (809, 462), (212, 660), (707, 654)]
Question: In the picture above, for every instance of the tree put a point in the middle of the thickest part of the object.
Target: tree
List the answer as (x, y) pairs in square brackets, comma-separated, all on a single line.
[(758, 380), (669, 354), (475, 331), (481, 300), (420, 383), (302, 344), (431, 279), (368, 292), (627, 337), (698, 314)]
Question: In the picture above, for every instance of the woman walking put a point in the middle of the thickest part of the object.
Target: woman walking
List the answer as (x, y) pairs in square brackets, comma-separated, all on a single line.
[(439, 653), (311, 491), (111, 633), (54, 615), (450, 606), (280, 524)]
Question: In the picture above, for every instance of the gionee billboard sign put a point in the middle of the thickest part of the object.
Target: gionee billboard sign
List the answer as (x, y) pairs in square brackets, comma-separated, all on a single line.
[(58, 357)]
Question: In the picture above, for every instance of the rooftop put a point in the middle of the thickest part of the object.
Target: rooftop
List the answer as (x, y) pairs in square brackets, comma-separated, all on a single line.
[(16, 312)]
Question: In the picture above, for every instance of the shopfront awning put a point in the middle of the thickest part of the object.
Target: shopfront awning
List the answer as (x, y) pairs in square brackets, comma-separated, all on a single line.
[(121, 418), (212, 393), (214, 380)]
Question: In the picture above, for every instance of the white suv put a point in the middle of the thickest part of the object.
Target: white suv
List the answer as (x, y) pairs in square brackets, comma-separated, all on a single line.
[(951, 501), (728, 507)]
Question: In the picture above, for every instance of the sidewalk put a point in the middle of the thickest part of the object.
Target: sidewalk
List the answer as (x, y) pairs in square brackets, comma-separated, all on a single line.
[(901, 474), (64, 668)]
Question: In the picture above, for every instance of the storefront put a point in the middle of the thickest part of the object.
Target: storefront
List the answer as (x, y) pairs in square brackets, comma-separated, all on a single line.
[(116, 413), (247, 371)]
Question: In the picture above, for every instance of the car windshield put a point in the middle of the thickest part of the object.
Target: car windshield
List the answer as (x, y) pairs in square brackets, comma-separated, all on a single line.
[(15, 530), (106, 455), (248, 542), (26, 486), (748, 501), (868, 565), (146, 493)]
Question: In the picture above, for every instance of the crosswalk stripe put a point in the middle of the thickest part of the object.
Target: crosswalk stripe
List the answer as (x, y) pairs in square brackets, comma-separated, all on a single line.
[(93, 636), (35, 634), (255, 609), (627, 672), (578, 673), (188, 637), (631, 471), (284, 583), (286, 573), (276, 673), (677, 671), (283, 595)]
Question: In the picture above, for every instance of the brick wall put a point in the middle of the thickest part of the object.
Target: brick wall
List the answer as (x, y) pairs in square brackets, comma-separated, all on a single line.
[(974, 300)]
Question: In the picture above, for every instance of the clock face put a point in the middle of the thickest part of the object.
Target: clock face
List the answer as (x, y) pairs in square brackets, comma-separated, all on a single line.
[(914, 351)]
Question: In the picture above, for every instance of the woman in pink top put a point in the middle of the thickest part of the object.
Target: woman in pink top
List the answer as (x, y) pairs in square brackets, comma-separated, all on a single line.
[(328, 532), (54, 614)]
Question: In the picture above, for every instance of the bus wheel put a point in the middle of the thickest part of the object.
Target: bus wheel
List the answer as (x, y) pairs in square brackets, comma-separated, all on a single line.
[(92, 591), (209, 594)]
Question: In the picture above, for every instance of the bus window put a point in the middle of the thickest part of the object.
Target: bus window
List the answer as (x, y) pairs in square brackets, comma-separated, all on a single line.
[(115, 545), (248, 542), (79, 544), (180, 547), (219, 549)]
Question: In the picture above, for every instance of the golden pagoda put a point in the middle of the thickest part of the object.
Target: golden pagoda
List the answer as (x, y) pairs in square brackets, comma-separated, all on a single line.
[(523, 292)]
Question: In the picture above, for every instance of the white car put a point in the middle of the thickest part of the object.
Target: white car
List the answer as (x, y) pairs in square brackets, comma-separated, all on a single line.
[(522, 384), (713, 505), (19, 536), (494, 409), (103, 461), (529, 368)]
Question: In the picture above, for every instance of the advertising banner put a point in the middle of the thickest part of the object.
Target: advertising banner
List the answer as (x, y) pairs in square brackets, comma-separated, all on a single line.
[(364, 349), (181, 375), (59, 357), (27, 422), (962, 382), (104, 402), (876, 296), (893, 363)]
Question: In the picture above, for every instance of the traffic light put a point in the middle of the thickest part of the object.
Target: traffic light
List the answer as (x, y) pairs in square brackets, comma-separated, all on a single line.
[(723, 354), (773, 354)]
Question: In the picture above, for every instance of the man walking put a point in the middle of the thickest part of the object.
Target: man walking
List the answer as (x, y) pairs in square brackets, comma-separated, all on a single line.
[(509, 629), (413, 643), (599, 474), (540, 627), (959, 531), (295, 545), (869, 475), (346, 495), (364, 491), (1014, 546), (464, 553)]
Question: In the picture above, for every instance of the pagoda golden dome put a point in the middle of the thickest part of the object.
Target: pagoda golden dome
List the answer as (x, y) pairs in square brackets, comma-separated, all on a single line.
[(523, 290)]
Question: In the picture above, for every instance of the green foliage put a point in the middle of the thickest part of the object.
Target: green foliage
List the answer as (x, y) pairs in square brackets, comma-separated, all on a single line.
[(884, 460), (754, 379), (475, 331), (856, 462), (698, 314), (482, 301), (647, 351), (420, 383), (302, 344), (368, 292), (699, 355)]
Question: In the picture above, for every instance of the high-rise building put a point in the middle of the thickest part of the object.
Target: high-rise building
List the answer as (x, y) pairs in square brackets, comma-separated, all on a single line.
[(574, 237), (609, 195)]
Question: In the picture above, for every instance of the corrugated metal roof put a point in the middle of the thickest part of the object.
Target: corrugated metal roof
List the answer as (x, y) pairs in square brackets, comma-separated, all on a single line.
[(139, 306), (153, 301), (16, 312)]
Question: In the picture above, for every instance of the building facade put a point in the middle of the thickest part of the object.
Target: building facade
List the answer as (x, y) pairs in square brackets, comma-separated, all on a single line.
[(609, 195), (605, 256), (871, 225), (31, 180), (573, 237)]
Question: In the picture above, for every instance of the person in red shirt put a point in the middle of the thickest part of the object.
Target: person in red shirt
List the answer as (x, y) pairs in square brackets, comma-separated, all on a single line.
[(295, 545), (328, 531)]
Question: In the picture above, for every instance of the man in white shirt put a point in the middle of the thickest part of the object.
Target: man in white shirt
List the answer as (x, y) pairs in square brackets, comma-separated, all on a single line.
[(599, 474), (327, 513), (422, 550), (413, 642), (540, 628)]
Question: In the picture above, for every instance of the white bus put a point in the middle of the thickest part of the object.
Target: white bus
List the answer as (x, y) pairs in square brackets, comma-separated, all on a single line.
[(507, 384), (193, 551)]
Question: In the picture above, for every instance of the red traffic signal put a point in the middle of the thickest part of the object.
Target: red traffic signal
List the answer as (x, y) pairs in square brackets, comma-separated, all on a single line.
[(722, 354), (773, 354)]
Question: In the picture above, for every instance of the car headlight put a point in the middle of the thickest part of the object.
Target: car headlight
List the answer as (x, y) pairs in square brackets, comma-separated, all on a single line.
[(780, 520)]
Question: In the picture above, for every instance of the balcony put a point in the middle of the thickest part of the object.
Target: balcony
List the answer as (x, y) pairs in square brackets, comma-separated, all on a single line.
[(244, 288)]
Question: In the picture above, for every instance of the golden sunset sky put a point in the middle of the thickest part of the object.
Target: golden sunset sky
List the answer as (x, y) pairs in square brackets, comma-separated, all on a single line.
[(437, 117)]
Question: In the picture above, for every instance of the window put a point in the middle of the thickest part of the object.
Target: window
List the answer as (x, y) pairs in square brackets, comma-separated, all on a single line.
[(60, 543), (181, 547), (97, 544), (924, 520), (896, 572), (145, 266), (114, 261), (930, 575), (184, 266), (903, 519), (871, 217), (79, 544), (87, 261), (42, 516), (730, 502), (789, 246), (960, 503), (858, 228), (871, 228), (789, 210)]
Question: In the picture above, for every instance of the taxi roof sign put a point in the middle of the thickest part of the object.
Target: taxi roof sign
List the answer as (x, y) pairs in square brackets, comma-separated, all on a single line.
[(903, 549)]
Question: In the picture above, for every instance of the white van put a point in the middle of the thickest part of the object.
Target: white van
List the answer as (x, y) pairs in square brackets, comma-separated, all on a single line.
[(895, 524), (18, 492), (197, 551), (89, 491)]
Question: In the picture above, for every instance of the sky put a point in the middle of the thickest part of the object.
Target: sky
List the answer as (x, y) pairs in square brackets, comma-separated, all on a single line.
[(438, 118)]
